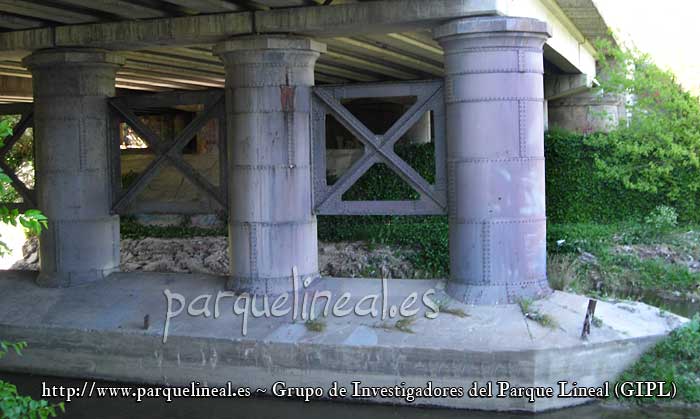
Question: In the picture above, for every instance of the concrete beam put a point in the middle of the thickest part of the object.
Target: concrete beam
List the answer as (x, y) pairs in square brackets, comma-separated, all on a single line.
[(372, 17), (356, 19), (129, 35), (207, 6), (15, 22), (381, 54), (120, 8), (568, 48), (15, 88), (427, 52), (587, 17), (557, 86), (50, 13)]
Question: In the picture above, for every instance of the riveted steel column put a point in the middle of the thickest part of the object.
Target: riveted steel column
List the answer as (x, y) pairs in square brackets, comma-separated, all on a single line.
[(494, 110), (71, 87), (268, 103)]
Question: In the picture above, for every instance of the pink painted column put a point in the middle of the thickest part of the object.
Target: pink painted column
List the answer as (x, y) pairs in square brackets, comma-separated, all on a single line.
[(495, 143)]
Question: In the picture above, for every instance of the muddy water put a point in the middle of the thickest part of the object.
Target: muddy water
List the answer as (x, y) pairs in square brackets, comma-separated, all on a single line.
[(685, 308), (259, 408), (682, 307)]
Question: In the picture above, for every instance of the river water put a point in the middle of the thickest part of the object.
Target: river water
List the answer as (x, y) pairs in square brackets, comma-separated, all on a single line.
[(259, 408), (685, 308)]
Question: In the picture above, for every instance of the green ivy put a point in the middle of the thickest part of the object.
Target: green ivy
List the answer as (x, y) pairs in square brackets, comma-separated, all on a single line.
[(382, 183), (427, 235), (577, 191)]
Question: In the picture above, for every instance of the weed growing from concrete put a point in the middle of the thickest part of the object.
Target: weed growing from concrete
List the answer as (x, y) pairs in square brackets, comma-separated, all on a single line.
[(383, 325), (562, 270), (316, 325), (597, 322), (530, 312), (404, 325), (443, 306)]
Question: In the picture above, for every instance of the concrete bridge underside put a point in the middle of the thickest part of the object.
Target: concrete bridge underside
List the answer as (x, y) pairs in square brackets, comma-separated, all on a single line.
[(494, 104)]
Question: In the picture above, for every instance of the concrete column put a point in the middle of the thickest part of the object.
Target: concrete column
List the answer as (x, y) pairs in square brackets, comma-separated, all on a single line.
[(268, 103), (575, 104), (588, 112), (495, 140), (71, 87)]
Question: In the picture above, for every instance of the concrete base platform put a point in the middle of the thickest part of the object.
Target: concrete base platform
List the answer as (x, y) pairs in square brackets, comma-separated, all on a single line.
[(97, 331)]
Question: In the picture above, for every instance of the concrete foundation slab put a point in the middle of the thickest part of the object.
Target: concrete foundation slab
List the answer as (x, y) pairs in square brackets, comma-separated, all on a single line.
[(97, 331)]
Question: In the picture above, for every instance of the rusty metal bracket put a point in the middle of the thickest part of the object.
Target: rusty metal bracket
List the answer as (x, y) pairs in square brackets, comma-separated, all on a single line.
[(379, 149), (590, 314)]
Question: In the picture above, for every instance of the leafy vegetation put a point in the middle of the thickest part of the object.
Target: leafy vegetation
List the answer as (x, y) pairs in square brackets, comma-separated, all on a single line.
[(675, 359), (427, 235), (381, 183), (12, 404), (661, 220), (32, 220), (605, 260), (658, 152), (576, 190)]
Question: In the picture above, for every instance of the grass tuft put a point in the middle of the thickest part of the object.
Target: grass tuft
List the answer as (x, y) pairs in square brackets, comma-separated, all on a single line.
[(315, 325), (530, 312), (404, 324), (443, 306)]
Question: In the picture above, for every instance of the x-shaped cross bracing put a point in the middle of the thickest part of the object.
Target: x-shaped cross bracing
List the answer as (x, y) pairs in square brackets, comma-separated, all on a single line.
[(171, 151), (379, 149)]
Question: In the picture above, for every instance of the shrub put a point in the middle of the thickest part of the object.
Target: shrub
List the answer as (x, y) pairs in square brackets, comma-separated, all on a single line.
[(576, 190), (658, 152), (662, 219)]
